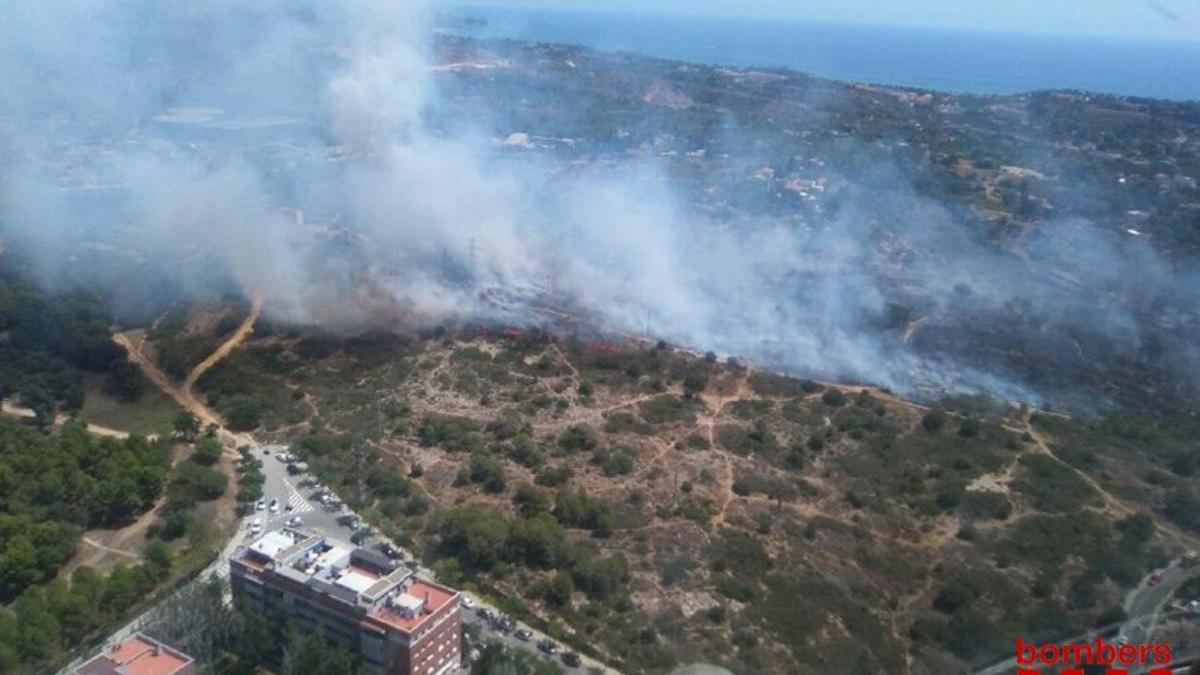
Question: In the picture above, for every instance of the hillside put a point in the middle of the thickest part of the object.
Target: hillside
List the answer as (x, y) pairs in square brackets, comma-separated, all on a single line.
[(660, 507)]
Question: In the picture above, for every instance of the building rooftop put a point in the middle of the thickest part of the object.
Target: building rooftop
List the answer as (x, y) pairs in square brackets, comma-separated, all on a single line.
[(360, 578), (274, 542), (418, 600), (139, 655)]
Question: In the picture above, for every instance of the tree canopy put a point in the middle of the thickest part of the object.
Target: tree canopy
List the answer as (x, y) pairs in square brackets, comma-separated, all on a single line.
[(51, 486)]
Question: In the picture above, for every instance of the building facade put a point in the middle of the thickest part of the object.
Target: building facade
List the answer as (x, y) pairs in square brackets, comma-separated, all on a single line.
[(397, 623)]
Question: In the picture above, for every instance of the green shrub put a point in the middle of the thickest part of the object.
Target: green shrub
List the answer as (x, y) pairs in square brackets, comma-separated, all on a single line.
[(452, 432), (665, 409), (553, 476), (578, 437)]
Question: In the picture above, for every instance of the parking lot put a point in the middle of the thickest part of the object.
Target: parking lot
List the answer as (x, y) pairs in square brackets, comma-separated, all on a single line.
[(298, 495)]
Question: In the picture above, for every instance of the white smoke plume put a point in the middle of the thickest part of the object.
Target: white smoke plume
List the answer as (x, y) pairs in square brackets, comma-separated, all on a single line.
[(181, 138)]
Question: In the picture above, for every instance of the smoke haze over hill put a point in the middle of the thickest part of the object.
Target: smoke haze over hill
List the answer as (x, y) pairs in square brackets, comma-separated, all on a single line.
[(180, 139)]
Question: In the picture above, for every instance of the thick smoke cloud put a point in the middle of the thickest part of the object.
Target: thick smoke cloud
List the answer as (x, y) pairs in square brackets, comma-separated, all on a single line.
[(181, 139)]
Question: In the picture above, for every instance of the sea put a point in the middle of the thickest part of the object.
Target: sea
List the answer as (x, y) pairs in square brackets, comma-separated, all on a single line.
[(970, 62)]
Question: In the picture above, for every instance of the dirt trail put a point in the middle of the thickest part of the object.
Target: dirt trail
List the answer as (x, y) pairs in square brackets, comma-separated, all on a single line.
[(12, 410), (108, 549), (238, 337), (717, 407), (1112, 505), (567, 362), (133, 342)]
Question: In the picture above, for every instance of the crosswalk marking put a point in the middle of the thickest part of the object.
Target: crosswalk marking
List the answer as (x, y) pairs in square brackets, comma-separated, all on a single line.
[(298, 503)]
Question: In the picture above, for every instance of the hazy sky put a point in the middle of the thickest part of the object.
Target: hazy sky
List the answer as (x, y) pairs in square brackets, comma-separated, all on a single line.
[(1139, 19)]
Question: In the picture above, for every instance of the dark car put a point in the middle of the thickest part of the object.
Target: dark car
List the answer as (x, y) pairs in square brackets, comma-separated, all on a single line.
[(523, 635), (389, 551), (503, 624), (484, 613), (571, 659), (547, 646)]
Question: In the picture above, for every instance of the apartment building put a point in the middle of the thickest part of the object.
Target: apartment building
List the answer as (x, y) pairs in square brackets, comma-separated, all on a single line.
[(357, 598)]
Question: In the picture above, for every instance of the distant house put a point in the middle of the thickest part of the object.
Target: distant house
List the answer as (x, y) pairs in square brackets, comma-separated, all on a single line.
[(139, 655)]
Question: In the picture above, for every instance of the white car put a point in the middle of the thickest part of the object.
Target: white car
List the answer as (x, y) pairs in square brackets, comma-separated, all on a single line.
[(295, 521), (262, 504), (466, 603), (274, 508), (256, 526)]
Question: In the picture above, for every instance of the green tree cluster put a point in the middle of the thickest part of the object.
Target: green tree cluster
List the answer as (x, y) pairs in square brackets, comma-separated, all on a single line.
[(483, 540), (51, 338), (44, 622), (51, 486)]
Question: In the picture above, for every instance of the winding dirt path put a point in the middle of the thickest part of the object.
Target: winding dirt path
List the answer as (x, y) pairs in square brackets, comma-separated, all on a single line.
[(133, 343), (238, 336)]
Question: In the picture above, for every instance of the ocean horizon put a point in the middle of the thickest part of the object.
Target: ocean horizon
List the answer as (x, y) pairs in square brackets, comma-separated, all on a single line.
[(968, 62)]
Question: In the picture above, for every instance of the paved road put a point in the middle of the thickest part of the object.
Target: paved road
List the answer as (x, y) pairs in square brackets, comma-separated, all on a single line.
[(286, 488), (1143, 605)]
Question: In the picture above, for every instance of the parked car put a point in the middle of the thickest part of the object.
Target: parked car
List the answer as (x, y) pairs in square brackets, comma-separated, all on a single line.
[(571, 659), (260, 505), (466, 603), (1155, 579), (256, 526), (484, 613), (523, 635), (548, 646), (503, 624), (274, 507), (295, 521)]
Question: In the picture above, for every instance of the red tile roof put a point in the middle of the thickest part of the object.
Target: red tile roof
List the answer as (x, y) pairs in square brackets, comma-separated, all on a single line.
[(139, 655), (436, 597)]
